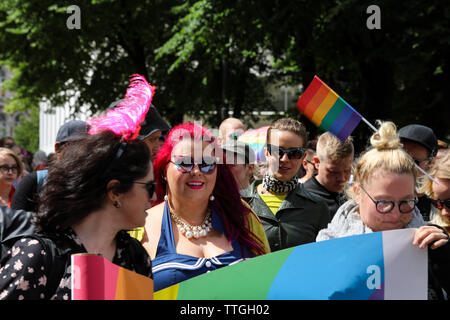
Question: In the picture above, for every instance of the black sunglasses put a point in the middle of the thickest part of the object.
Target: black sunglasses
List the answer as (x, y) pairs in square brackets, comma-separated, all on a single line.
[(419, 161), (187, 164), (292, 153), (386, 206), (149, 186), (438, 203)]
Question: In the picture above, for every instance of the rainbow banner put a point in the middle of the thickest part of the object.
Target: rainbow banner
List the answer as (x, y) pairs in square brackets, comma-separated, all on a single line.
[(327, 110), (375, 266), (256, 139), (95, 278)]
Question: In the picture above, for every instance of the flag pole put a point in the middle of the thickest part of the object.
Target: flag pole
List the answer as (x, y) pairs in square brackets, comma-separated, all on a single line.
[(369, 124), (417, 166)]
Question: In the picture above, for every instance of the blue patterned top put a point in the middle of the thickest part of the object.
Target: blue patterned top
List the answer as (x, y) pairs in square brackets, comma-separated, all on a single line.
[(170, 267)]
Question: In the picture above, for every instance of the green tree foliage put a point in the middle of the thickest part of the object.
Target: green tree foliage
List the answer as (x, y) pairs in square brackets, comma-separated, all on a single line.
[(26, 134), (208, 57)]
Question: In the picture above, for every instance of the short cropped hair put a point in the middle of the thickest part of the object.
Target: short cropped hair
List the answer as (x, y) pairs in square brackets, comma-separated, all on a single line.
[(288, 124), (330, 148)]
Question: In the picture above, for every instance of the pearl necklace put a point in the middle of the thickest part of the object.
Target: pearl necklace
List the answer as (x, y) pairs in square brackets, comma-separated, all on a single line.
[(193, 231)]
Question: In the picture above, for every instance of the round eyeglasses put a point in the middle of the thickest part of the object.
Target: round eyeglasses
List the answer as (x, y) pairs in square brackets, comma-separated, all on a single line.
[(6, 169), (386, 206)]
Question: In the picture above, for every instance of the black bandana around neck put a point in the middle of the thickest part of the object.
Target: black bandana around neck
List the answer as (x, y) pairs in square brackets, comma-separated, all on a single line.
[(274, 185)]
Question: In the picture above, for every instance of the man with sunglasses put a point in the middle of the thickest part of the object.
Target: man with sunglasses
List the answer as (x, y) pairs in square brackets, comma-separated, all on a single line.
[(333, 161), (420, 143), (290, 215)]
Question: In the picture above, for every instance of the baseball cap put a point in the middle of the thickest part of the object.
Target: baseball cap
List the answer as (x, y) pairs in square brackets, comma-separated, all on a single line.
[(240, 148), (72, 130), (420, 134), (152, 123)]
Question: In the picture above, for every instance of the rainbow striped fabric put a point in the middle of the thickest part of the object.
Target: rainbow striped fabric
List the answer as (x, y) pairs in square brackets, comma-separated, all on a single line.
[(327, 110), (256, 139), (375, 266), (95, 278)]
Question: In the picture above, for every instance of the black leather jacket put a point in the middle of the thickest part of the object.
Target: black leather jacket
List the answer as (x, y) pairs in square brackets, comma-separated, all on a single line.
[(298, 220), (14, 223)]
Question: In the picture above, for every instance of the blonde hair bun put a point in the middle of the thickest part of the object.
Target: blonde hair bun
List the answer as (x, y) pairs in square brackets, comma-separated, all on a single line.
[(386, 138)]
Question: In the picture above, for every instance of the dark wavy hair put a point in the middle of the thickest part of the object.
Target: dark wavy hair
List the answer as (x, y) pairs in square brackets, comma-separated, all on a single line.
[(227, 200), (77, 183)]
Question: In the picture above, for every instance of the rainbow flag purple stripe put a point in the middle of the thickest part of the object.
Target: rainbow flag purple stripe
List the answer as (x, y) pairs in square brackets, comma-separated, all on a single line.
[(327, 110)]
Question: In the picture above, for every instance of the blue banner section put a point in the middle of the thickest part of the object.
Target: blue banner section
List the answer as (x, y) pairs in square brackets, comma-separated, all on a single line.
[(344, 268)]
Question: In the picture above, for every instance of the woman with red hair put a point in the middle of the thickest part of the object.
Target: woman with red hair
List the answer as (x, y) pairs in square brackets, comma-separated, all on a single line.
[(200, 222)]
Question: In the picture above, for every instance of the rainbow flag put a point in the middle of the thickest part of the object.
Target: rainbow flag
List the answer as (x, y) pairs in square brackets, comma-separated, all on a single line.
[(375, 266), (95, 278), (327, 110), (256, 139)]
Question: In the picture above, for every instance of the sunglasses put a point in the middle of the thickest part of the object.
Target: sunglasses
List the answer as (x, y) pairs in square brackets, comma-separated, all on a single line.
[(386, 206), (187, 164), (419, 161), (150, 186), (292, 153), (441, 203)]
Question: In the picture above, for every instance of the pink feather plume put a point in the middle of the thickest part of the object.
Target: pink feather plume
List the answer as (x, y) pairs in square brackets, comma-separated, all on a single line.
[(126, 117)]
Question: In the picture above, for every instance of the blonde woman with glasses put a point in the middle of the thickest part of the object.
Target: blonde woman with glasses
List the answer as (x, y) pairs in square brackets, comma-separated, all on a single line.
[(383, 197), (439, 193)]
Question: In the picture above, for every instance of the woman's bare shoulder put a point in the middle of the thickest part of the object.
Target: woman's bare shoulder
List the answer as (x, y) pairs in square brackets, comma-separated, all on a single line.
[(153, 229)]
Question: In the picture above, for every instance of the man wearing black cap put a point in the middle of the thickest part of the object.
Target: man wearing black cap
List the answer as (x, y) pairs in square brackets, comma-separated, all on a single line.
[(26, 192), (421, 144), (151, 129)]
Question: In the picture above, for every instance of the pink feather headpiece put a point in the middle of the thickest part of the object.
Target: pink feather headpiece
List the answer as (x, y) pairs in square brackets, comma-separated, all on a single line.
[(126, 117)]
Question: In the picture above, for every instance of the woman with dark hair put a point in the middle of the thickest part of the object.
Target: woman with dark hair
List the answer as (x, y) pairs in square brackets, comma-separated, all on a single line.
[(100, 187), (200, 223)]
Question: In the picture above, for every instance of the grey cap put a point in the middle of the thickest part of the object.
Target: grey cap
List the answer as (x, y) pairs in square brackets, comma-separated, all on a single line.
[(240, 148), (153, 122), (420, 134), (72, 130)]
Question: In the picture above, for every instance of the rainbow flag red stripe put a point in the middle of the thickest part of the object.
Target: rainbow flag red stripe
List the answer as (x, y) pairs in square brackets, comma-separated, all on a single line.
[(327, 110)]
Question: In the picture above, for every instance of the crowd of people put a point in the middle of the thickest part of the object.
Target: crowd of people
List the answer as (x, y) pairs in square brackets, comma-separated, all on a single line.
[(175, 203)]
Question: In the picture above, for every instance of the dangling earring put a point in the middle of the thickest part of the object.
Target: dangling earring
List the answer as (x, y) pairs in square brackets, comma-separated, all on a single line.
[(166, 198), (211, 198), (116, 204)]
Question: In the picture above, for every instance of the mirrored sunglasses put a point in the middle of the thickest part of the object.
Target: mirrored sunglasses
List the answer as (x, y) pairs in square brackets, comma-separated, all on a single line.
[(187, 164)]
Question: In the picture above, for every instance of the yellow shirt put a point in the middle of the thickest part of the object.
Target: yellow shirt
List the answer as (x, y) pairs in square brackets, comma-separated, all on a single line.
[(137, 233), (273, 201)]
